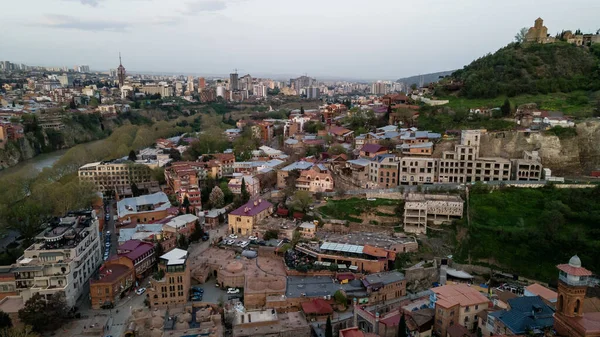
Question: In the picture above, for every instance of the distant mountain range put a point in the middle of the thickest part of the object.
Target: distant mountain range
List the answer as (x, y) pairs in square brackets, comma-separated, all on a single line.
[(426, 78)]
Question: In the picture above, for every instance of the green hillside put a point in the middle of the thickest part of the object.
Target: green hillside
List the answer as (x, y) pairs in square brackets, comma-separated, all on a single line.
[(530, 231), (533, 69)]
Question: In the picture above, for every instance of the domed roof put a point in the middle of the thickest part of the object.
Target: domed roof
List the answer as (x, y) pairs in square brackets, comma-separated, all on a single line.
[(575, 262), (157, 322), (187, 317), (234, 267)]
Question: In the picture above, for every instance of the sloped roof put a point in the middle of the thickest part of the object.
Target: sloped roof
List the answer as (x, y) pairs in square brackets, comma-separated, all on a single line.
[(317, 306), (372, 148), (251, 208), (529, 312), (540, 290), (461, 294)]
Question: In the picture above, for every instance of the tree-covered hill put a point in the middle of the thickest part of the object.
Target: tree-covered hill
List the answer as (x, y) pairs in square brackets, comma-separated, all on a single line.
[(531, 69)]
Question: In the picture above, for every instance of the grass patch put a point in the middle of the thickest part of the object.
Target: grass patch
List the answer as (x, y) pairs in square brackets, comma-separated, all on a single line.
[(530, 231), (349, 209)]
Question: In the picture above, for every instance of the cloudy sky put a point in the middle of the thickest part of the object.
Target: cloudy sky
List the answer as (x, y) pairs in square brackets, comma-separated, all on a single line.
[(368, 39)]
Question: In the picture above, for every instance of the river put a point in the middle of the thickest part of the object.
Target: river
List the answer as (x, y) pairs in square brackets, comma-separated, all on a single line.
[(34, 165)]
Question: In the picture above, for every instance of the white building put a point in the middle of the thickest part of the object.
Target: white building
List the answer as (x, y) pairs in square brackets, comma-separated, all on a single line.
[(62, 258)]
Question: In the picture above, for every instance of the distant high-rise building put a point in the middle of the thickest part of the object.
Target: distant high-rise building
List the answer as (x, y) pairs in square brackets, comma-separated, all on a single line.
[(233, 81), (112, 73), (302, 82), (84, 69), (259, 90), (121, 72), (190, 84), (201, 83), (380, 88), (312, 92)]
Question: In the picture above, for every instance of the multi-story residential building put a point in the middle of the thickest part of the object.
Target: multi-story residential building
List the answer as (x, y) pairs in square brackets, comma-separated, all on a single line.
[(529, 168), (162, 90), (106, 176), (114, 279), (174, 286), (143, 209), (383, 171), (243, 219), (315, 179), (385, 286), (283, 174), (421, 209), (417, 170), (141, 254), (456, 304), (252, 184), (62, 258), (523, 314), (372, 150)]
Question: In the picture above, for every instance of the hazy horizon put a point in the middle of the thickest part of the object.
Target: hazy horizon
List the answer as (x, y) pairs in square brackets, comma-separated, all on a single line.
[(332, 39)]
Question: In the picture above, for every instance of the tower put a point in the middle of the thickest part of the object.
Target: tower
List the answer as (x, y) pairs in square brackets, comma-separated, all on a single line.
[(233, 81), (121, 72), (573, 281)]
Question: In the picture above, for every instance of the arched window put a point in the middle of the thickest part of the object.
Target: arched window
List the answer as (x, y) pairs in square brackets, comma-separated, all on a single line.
[(559, 306), (577, 306)]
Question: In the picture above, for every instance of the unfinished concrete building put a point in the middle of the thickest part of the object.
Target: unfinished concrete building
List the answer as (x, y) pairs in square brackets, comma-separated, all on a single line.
[(423, 209)]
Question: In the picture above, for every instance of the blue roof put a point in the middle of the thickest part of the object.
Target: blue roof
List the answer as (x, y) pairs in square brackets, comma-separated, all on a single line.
[(526, 313), (381, 157), (299, 165)]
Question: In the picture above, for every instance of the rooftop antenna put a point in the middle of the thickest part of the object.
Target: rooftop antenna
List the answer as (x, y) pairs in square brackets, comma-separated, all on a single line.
[(120, 63)]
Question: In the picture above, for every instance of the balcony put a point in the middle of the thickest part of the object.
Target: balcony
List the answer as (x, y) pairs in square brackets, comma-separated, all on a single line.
[(582, 281)]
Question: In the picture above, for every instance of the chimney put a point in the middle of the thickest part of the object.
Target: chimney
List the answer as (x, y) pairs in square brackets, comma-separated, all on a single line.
[(259, 200)]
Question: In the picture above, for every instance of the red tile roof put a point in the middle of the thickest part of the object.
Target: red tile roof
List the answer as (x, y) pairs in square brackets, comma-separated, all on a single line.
[(576, 271), (317, 306)]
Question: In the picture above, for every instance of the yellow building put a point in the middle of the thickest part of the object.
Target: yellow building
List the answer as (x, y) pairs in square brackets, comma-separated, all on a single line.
[(243, 219)]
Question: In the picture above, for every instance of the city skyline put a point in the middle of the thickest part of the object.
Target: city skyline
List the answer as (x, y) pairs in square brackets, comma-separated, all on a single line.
[(384, 40)]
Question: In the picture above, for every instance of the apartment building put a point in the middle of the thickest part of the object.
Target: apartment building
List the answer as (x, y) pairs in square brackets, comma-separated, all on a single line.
[(62, 258), (252, 184), (456, 304), (385, 286), (421, 209), (143, 209), (153, 89), (418, 170), (109, 175), (114, 279), (315, 179), (383, 171), (141, 254), (529, 168), (174, 286), (243, 219)]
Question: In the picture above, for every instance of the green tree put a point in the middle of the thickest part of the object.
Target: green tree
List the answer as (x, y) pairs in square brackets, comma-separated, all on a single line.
[(402, 329), (520, 36), (505, 108), (302, 110), (159, 250), (45, 315), (182, 242), (302, 200), (198, 232), (244, 192), (336, 149), (186, 204), (135, 191), (271, 234), (5, 321), (132, 156), (340, 298), (328, 328)]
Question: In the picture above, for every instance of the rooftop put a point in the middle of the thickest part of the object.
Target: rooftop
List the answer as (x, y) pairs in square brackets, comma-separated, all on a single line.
[(299, 165), (175, 256), (529, 312), (385, 278), (543, 292), (144, 203), (111, 273), (458, 294), (315, 286), (252, 207)]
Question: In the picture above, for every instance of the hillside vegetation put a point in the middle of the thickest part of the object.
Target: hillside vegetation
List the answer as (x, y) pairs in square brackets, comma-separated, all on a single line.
[(531, 69), (530, 231)]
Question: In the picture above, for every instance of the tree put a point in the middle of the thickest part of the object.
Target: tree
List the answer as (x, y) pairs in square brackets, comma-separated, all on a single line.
[(216, 198), (402, 330), (182, 242), (72, 104), (520, 36), (271, 234), (302, 200), (132, 156), (505, 108), (244, 192), (44, 315), (186, 204), (328, 328), (336, 149), (302, 110), (159, 250), (340, 298), (135, 191), (198, 232), (18, 332), (5, 321)]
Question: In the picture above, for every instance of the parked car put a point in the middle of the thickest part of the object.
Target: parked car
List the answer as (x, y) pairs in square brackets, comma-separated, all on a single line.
[(233, 291), (244, 244), (232, 236), (108, 233), (252, 238), (140, 291), (230, 242), (205, 238), (107, 244), (197, 298), (197, 290)]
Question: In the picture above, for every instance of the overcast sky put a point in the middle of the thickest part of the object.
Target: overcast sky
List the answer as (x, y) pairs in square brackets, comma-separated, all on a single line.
[(368, 39)]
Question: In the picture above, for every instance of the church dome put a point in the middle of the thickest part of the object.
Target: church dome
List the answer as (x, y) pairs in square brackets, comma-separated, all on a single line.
[(575, 262)]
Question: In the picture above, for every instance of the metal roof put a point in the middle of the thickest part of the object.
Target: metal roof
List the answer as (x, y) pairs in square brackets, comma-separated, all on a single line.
[(342, 247)]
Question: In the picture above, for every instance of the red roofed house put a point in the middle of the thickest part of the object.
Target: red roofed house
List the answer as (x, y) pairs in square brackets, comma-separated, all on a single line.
[(317, 308), (355, 332), (457, 304), (341, 134), (372, 150), (315, 179), (114, 279), (570, 318), (141, 254), (243, 219)]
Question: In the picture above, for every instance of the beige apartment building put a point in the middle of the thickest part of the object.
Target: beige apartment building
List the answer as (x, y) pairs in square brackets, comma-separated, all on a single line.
[(108, 175), (418, 170), (383, 171), (421, 209), (529, 168), (174, 287), (456, 304)]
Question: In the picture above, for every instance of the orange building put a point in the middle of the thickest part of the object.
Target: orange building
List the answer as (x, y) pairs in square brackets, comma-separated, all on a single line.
[(114, 280), (174, 286)]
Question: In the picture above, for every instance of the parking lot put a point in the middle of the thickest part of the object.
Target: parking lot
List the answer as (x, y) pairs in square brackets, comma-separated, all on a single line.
[(212, 294)]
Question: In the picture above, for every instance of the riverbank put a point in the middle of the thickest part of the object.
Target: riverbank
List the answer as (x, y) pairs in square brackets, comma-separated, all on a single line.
[(31, 167)]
